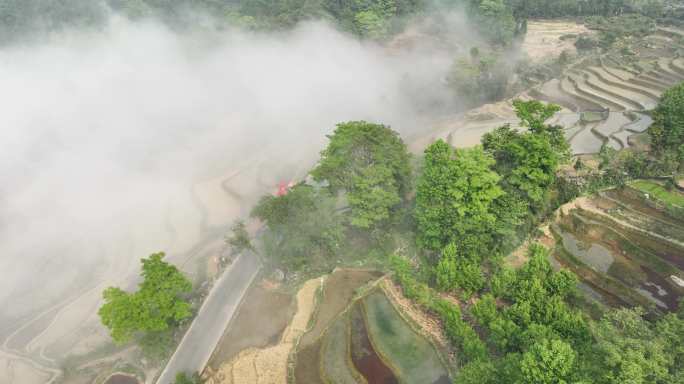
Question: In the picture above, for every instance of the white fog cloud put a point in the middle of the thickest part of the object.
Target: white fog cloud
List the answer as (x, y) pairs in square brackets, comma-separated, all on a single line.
[(102, 136)]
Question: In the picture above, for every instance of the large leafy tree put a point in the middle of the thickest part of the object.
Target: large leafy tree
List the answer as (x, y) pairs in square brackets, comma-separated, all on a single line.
[(303, 227), (631, 350), (480, 78), (155, 306), (494, 20), (667, 131), (454, 199), (528, 160), (371, 163), (548, 362), (458, 272)]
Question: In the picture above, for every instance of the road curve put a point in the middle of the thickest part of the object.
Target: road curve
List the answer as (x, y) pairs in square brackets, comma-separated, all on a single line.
[(218, 309)]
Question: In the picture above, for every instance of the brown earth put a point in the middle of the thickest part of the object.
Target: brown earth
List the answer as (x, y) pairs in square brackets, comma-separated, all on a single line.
[(269, 365), (307, 369), (543, 38)]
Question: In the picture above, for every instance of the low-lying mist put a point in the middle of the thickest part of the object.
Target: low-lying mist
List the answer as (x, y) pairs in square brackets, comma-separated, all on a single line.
[(103, 134)]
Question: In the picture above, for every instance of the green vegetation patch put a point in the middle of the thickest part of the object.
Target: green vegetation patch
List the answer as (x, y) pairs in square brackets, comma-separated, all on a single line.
[(336, 363), (412, 357), (659, 192)]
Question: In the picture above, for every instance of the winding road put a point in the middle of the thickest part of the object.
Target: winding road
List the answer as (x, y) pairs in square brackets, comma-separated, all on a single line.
[(218, 309)]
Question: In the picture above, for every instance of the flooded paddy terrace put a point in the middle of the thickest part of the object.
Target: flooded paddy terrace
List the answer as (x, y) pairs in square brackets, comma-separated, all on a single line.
[(626, 251)]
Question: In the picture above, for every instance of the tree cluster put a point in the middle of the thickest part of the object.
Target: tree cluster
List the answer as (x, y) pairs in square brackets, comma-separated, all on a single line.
[(471, 202), (494, 19), (361, 184), (156, 306), (667, 131), (370, 163), (303, 226), (372, 19), (565, 8), (528, 333), (480, 78)]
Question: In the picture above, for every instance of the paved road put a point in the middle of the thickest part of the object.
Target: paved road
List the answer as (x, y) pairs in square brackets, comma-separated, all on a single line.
[(206, 330)]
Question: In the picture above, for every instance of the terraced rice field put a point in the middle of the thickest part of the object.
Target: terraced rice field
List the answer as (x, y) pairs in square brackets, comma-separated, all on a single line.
[(364, 356), (413, 358), (543, 38), (368, 341), (608, 85), (337, 295), (627, 249), (659, 192), (308, 367), (336, 364)]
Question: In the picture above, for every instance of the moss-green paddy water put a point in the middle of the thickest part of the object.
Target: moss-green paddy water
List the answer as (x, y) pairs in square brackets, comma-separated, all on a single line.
[(413, 358), (336, 363)]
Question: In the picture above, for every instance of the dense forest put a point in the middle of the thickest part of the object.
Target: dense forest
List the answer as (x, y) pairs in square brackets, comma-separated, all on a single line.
[(499, 20)]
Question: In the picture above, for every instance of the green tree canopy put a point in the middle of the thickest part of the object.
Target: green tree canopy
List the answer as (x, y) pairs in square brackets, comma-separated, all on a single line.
[(454, 272), (155, 306), (454, 199), (533, 114), (667, 131), (493, 19), (239, 239), (371, 163), (303, 227), (631, 350), (548, 362), (480, 78), (528, 160)]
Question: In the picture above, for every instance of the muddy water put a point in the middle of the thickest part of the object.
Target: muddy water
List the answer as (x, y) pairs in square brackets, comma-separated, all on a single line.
[(660, 290), (364, 357), (567, 120), (586, 141), (659, 248), (623, 137), (624, 258), (631, 201), (615, 121), (641, 124), (596, 256), (122, 379)]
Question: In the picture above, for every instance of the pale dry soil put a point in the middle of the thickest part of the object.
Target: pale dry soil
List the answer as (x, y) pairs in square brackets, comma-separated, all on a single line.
[(269, 365), (542, 41)]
